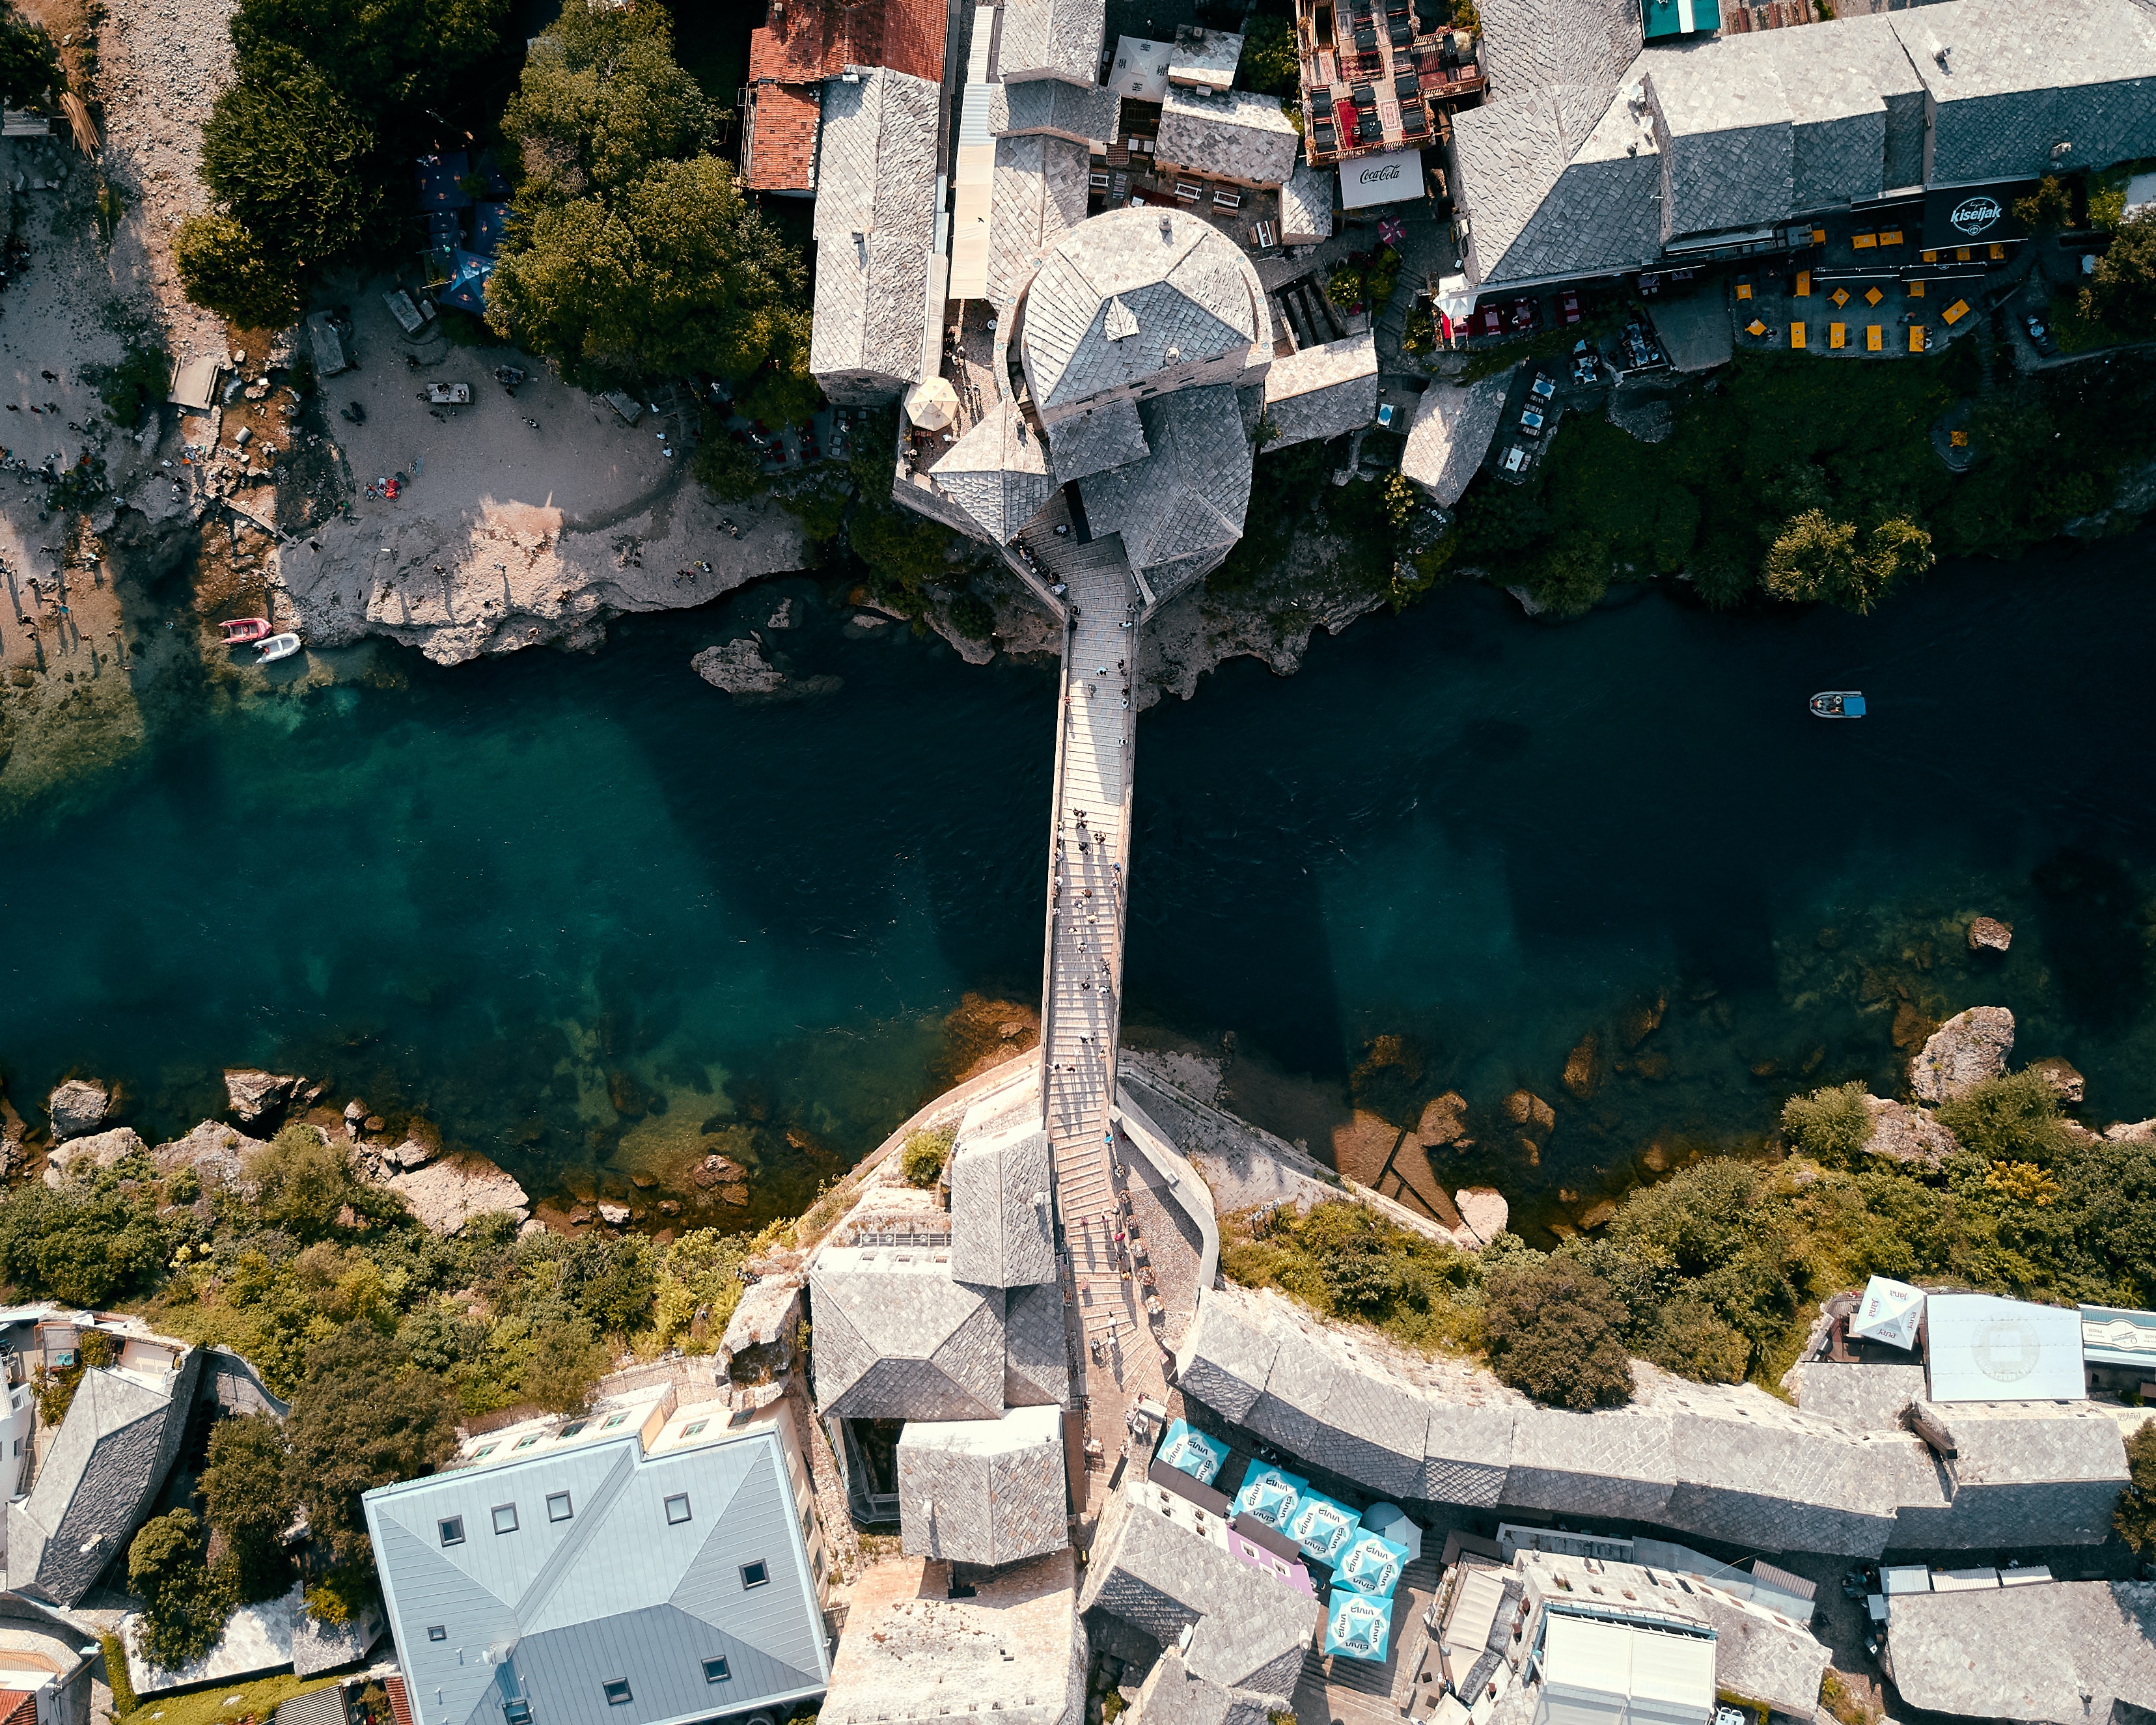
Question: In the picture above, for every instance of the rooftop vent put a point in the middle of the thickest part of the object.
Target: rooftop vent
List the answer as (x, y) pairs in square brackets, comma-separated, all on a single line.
[(1943, 54)]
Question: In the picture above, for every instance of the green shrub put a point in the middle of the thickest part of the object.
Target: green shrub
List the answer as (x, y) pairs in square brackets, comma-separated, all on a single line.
[(2122, 294), (1269, 65), (1832, 1124), (972, 616), (730, 471), (1815, 558), (29, 65), (922, 1157), (225, 268), (140, 378), (1344, 286), (116, 1676), (188, 1601), (2014, 1117), (1556, 1332), (2135, 1517)]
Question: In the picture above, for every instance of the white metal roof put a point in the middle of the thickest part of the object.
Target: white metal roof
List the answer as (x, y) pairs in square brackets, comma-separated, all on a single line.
[(1626, 1671), (1983, 1348)]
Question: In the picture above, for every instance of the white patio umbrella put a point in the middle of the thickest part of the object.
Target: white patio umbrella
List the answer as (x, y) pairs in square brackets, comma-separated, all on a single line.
[(933, 404)]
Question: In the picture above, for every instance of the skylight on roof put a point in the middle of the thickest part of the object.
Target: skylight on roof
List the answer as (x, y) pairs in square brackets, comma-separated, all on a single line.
[(1121, 322), (689, 1432), (612, 1421)]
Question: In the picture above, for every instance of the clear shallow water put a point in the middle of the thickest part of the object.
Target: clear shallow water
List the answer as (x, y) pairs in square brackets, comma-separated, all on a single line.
[(593, 917)]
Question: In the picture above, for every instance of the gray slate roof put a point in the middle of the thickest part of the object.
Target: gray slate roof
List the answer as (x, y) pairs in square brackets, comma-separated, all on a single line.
[(1051, 38), (1324, 391), (1186, 501), (1450, 435), (2082, 70), (621, 1586), (1000, 1237), (1049, 105), (2023, 1473), (1229, 135), (1204, 58), (1171, 1696), (2027, 1652), (98, 1479), (997, 473), (983, 1492), (1864, 1397), (1036, 1352), (1249, 1630), (1039, 195), (1779, 1663), (1091, 442), (1190, 290), (896, 1338), (877, 266), (1306, 205)]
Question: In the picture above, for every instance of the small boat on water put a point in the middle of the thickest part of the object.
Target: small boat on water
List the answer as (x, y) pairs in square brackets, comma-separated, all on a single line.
[(239, 630), (278, 647), (1838, 703)]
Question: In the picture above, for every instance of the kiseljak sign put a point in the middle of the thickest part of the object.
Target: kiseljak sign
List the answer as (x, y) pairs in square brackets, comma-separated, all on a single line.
[(1381, 179)]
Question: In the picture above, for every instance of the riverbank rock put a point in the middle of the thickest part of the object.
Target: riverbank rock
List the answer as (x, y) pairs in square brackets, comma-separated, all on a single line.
[(78, 1106), (1988, 934), (213, 1150), (1483, 1212), (1970, 1047), (2064, 1078), (1444, 1121), (615, 1216), (252, 1092), (446, 1195), (408, 1156), (738, 668), (97, 1150), (1582, 1067), (2132, 1131), (1902, 1134)]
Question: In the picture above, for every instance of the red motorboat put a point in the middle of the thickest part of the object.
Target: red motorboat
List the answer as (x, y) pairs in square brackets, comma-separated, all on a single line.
[(239, 629)]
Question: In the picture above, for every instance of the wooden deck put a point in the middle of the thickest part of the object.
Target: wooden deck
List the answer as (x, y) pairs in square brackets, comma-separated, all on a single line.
[(1352, 1691)]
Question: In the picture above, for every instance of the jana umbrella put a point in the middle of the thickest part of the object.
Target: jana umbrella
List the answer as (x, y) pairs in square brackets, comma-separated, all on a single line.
[(1193, 1452), (1889, 1312), (1270, 1495), (1390, 1521), (1359, 1626), (1392, 230), (1323, 1527), (1371, 1564), (932, 405)]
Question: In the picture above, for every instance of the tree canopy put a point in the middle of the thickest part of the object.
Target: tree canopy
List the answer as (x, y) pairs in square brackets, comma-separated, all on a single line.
[(28, 65), (2122, 294), (388, 59), (635, 253), (365, 1417), (1556, 1332), (189, 1601), (1818, 558)]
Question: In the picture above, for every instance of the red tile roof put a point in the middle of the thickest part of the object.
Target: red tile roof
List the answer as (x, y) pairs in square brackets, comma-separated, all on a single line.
[(400, 1705), (809, 40), (781, 140), (18, 1707)]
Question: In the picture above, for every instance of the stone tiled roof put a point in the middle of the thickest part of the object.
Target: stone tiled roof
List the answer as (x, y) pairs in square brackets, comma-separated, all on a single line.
[(1322, 391), (988, 1491), (1183, 282), (1060, 110), (1450, 435), (897, 1339), (2015, 84), (1728, 158), (997, 473), (2023, 1473), (1229, 135), (1306, 205), (811, 40), (1188, 498), (785, 118), (1040, 196), (1573, 51), (1099, 438), (1171, 1696), (2054, 1650), (1206, 59), (876, 231), (1762, 1657), (1002, 1235), (1036, 1354), (1249, 1630), (1051, 38), (1866, 1398)]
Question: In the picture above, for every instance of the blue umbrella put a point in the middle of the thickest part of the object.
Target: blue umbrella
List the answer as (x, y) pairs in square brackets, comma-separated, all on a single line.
[(1372, 1564), (1323, 1527), (1359, 1626), (1270, 1494), (1193, 1452)]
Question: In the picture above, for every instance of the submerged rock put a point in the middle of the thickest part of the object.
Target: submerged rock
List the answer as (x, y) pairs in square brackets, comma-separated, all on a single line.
[(1987, 934), (1530, 1112), (1582, 1067), (446, 1195), (2062, 1077), (1902, 1134), (1641, 1019), (1970, 1047), (738, 668), (1444, 1121), (78, 1106), (715, 1170), (252, 1092)]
